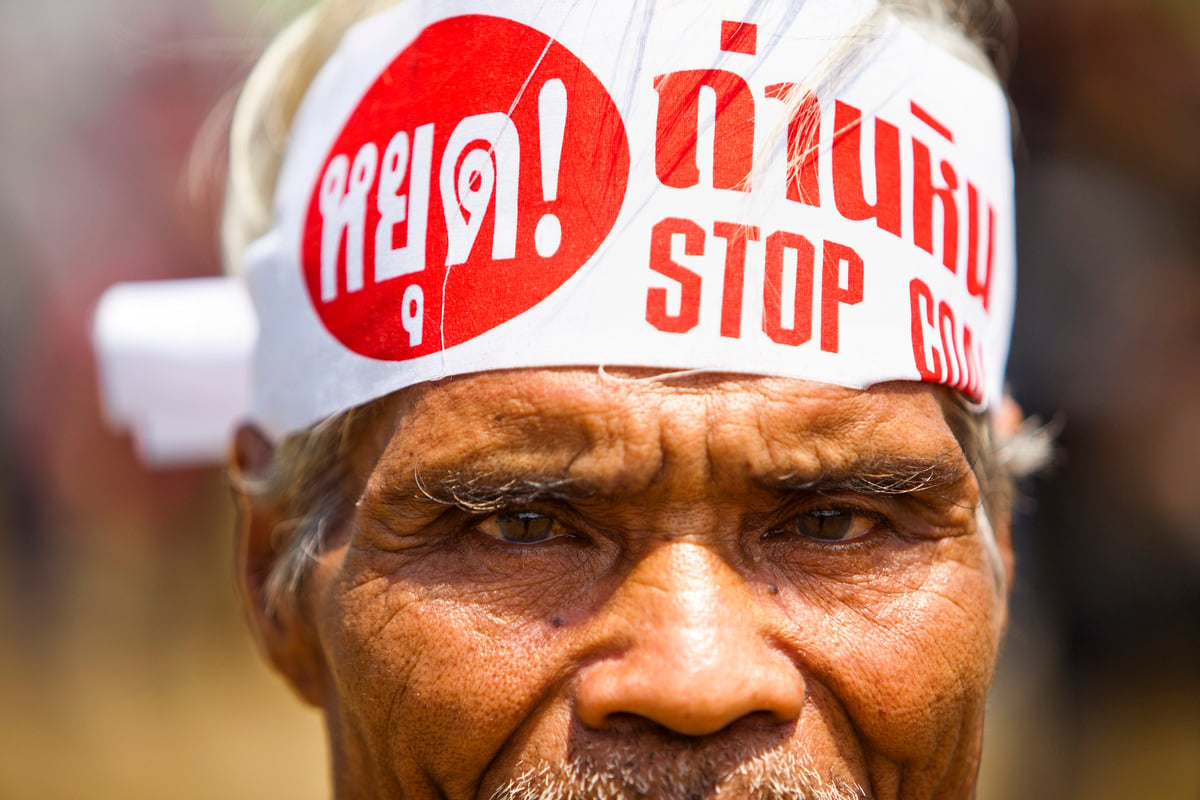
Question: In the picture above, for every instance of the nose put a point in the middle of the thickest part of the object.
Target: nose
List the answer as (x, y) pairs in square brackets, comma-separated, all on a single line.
[(690, 650)]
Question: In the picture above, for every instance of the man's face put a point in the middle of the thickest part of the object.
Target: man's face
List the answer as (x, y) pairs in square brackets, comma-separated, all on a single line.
[(562, 584)]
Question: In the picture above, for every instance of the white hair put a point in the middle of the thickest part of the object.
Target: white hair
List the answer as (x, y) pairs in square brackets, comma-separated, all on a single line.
[(628, 771)]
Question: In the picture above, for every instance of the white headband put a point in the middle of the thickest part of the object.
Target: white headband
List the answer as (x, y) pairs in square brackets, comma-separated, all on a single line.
[(807, 190)]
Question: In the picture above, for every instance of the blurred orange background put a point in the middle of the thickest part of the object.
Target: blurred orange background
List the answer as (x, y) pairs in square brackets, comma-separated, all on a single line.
[(125, 668)]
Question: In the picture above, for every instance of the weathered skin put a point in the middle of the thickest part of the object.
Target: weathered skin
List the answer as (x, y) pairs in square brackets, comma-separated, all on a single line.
[(676, 615)]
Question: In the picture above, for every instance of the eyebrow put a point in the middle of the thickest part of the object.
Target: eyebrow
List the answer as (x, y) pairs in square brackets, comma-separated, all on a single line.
[(884, 474), (490, 491)]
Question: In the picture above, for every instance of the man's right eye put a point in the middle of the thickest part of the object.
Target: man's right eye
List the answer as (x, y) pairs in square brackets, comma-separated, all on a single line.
[(521, 527)]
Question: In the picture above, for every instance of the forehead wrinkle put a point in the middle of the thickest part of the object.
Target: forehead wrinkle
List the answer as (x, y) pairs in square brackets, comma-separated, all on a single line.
[(863, 444), (518, 459), (562, 439), (800, 437), (497, 475)]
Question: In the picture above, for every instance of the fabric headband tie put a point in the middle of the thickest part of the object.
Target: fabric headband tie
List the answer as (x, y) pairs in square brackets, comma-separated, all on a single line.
[(806, 190)]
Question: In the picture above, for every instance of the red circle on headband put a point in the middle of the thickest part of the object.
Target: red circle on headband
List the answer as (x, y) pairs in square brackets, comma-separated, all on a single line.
[(481, 170)]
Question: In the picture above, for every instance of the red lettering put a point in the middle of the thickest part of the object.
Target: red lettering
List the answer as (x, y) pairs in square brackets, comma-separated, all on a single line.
[(803, 147), (848, 191), (929, 363), (924, 193), (736, 237), (448, 179), (739, 37), (689, 282), (939, 340), (929, 120), (949, 345), (833, 294), (678, 118), (801, 330), (970, 387), (977, 286)]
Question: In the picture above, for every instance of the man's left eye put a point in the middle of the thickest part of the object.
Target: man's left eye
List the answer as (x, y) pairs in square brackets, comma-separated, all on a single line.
[(521, 527), (833, 525)]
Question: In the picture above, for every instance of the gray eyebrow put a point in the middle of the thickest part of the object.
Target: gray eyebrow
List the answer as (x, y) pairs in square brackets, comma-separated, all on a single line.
[(882, 475), (491, 491), (487, 492)]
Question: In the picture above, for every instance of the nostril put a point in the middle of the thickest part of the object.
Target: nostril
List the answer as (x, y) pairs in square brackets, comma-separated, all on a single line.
[(622, 722), (623, 726), (689, 704), (626, 724)]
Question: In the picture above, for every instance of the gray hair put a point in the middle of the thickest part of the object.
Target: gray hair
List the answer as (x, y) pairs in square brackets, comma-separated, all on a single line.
[(308, 478)]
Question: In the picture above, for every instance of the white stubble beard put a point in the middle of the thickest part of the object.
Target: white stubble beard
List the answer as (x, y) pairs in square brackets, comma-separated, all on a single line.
[(642, 776)]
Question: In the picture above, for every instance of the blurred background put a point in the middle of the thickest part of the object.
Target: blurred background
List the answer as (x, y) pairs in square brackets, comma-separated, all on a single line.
[(125, 668)]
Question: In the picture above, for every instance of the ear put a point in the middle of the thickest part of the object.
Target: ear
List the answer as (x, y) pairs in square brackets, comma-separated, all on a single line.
[(285, 630)]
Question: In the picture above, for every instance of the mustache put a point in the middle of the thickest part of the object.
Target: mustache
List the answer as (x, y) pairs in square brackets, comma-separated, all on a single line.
[(642, 775)]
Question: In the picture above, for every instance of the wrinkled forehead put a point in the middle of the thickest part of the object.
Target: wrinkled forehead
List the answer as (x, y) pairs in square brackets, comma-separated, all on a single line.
[(628, 427)]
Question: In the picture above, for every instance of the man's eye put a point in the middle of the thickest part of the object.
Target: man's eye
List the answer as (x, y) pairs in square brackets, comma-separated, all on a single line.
[(521, 527), (833, 525)]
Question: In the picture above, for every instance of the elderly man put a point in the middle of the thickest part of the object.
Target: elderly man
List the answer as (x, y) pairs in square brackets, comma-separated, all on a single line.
[(621, 411)]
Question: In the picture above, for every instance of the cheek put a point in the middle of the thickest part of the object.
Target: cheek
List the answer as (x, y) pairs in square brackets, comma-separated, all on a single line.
[(431, 684), (908, 654)]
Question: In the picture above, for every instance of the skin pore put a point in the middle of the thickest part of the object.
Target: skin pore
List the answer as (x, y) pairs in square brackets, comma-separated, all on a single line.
[(559, 584)]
